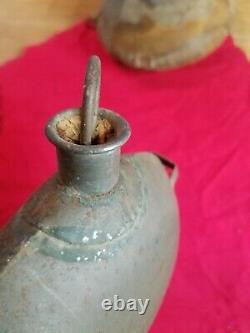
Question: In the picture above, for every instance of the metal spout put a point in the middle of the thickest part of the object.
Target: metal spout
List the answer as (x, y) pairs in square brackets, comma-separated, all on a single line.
[(89, 168)]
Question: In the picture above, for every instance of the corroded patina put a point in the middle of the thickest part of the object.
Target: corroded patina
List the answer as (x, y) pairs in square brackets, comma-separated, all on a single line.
[(103, 225)]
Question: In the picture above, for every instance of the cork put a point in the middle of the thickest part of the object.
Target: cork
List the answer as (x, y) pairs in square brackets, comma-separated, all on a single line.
[(69, 130)]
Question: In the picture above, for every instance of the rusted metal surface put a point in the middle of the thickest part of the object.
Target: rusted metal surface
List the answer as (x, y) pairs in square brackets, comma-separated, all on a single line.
[(86, 247), (90, 105), (12, 238)]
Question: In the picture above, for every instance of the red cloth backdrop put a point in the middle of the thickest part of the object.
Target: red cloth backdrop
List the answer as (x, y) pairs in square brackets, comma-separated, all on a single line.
[(198, 116)]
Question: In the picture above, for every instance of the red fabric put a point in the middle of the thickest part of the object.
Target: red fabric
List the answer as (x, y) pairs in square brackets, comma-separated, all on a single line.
[(198, 116)]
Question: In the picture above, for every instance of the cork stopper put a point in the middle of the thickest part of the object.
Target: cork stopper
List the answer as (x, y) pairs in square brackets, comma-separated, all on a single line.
[(69, 129)]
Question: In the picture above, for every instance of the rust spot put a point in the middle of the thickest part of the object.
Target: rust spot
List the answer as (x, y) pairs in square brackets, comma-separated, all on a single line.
[(45, 207)]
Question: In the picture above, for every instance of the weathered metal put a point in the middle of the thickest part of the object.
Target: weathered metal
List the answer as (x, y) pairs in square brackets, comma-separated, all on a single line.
[(104, 225), (91, 98)]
